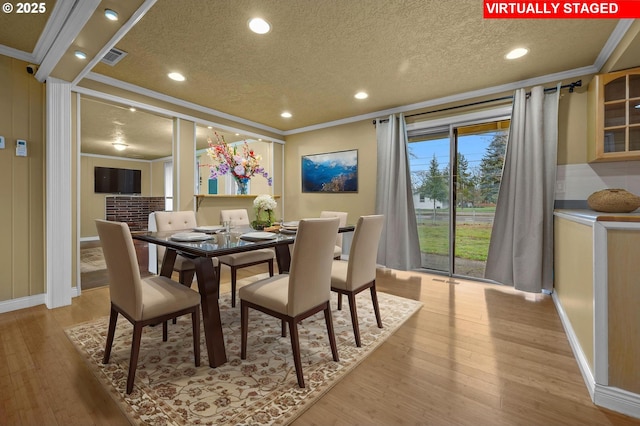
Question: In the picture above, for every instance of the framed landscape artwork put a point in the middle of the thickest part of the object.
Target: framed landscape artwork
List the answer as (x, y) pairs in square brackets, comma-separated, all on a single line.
[(331, 172)]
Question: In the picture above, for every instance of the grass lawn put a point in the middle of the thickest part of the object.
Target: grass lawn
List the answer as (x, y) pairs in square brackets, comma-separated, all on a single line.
[(472, 240)]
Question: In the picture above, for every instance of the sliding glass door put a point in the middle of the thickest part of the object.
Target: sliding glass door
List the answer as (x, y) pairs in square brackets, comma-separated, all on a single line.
[(456, 172)]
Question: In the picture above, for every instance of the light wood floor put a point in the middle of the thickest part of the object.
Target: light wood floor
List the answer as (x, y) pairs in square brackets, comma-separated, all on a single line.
[(475, 354)]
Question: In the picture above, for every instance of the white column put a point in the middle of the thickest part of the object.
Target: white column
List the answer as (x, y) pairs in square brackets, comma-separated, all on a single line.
[(58, 193)]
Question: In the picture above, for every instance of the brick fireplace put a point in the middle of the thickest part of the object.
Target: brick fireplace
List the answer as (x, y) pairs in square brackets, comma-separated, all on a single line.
[(133, 210)]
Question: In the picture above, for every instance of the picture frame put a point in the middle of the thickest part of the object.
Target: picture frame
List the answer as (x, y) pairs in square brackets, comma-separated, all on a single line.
[(331, 172)]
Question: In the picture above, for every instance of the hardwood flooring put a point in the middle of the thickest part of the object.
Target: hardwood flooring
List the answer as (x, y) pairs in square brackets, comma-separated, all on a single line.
[(475, 354)]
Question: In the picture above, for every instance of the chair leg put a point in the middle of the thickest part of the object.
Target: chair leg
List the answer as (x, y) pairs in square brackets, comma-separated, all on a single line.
[(376, 308), (295, 347), (244, 325), (270, 262), (164, 330), (186, 277), (283, 326), (332, 336), (339, 301), (354, 317), (113, 319), (135, 351), (195, 321), (234, 274), (217, 278)]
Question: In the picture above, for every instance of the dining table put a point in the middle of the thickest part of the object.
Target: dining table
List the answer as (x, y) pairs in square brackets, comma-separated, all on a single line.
[(200, 251)]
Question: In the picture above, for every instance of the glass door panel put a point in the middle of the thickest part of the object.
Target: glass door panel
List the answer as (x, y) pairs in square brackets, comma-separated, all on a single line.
[(429, 158), (479, 159)]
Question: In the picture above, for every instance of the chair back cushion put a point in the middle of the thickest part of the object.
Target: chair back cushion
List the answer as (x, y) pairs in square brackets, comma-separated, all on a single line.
[(364, 251), (174, 221), (122, 266), (169, 221), (343, 221), (310, 271), (238, 216)]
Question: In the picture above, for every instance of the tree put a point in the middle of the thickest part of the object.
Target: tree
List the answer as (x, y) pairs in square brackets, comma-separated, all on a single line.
[(434, 184), (491, 167), (464, 180)]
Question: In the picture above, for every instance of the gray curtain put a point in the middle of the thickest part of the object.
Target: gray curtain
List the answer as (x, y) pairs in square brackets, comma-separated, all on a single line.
[(399, 246), (521, 247)]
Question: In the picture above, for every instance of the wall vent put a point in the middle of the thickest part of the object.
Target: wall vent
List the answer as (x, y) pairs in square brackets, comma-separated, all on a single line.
[(113, 56)]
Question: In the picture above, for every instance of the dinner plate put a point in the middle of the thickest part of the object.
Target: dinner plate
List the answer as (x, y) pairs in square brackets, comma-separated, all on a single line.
[(288, 231), (209, 228), (258, 236), (190, 236), (290, 225)]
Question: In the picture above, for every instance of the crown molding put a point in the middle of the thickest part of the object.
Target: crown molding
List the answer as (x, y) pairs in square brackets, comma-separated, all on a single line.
[(616, 36), (564, 75), (16, 54)]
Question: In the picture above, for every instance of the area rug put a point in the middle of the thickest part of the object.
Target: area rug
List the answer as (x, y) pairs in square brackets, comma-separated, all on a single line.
[(92, 259), (261, 390)]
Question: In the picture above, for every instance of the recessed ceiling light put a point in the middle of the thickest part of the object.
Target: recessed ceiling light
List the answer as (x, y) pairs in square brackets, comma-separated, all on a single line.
[(80, 54), (176, 76), (120, 146), (259, 26), (111, 15), (286, 115), (361, 95), (132, 109), (517, 53)]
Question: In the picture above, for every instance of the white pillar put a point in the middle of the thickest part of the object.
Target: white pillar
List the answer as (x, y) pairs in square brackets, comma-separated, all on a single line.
[(58, 193)]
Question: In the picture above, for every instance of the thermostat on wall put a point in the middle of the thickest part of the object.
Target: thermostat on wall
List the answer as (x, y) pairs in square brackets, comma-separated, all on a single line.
[(21, 148)]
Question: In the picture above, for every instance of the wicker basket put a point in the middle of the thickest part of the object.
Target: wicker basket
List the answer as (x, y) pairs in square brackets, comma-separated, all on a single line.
[(614, 200)]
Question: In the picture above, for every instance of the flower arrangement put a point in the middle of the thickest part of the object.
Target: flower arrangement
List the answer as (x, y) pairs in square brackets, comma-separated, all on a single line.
[(242, 163), (264, 204)]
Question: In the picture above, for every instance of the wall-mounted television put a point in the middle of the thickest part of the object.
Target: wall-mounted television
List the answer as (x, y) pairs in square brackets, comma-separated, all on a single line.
[(109, 180)]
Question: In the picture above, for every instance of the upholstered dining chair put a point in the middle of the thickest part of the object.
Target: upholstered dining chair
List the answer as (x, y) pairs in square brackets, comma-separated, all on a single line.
[(303, 292), (359, 273), (337, 250), (240, 218), (143, 302), (176, 221)]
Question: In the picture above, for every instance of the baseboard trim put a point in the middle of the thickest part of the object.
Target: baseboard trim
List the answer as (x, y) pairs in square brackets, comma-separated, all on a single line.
[(29, 301), (22, 303), (612, 398)]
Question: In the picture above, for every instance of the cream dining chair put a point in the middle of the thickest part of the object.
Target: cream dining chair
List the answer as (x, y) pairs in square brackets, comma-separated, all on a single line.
[(359, 273), (337, 250), (303, 292), (240, 218), (177, 221), (142, 302)]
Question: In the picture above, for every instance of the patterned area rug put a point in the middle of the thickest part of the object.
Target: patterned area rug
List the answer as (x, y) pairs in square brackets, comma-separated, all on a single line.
[(261, 390), (92, 259)]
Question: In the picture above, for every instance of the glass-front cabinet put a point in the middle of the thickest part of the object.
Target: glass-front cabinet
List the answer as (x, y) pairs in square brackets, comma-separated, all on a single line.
[(617, 124)]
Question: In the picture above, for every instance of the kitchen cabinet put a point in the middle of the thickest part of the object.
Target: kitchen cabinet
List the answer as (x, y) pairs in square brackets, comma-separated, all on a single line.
[(616, 100)]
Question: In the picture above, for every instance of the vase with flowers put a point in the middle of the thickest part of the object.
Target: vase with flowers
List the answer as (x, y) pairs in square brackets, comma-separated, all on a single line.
[(241, 162), (264, 206)]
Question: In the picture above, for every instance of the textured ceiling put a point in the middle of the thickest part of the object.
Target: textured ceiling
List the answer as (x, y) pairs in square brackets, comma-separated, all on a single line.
[(317, 56)]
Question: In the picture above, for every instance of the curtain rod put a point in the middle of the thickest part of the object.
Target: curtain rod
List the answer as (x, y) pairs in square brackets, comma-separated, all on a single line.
[(570, 86)]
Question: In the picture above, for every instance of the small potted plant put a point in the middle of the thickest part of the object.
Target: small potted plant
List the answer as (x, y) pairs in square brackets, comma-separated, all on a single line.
[(264, 206)]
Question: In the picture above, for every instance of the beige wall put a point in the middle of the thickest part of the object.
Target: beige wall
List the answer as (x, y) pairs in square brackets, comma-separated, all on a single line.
[(360, 136), (157, 178), (572, 127), (92, 205), (22, 246)]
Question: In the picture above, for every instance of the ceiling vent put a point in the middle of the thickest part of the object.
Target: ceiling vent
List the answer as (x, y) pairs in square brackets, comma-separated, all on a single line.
[(113, 56)]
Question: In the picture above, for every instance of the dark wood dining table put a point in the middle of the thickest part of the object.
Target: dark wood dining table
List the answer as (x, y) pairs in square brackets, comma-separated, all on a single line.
[(200, 253)]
